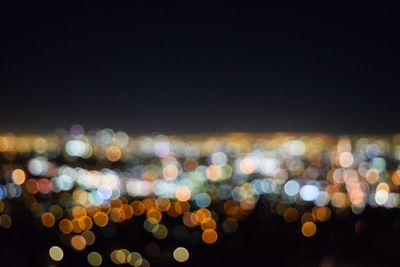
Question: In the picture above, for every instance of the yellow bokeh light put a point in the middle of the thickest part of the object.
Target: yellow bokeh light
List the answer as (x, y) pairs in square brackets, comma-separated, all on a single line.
[(56, 253), (135, 259), (339, 199), (18, 176), (119, 256), (160, 231), (4, 144), (94, 259), (181, 254)]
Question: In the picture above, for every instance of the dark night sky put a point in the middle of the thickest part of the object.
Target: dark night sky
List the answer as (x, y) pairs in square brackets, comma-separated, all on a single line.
[(192, 66)]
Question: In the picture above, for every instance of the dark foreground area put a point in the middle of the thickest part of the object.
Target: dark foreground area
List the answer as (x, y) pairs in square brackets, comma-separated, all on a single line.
[(369, 239)]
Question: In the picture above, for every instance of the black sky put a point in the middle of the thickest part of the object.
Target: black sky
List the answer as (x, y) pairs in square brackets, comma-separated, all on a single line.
[(193, 66)]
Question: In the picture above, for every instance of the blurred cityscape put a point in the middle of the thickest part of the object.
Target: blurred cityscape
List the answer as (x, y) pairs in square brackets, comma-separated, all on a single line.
[(104, 198)]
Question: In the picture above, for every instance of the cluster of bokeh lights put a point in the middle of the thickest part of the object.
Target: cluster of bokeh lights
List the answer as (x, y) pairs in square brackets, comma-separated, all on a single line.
[(76, 181)]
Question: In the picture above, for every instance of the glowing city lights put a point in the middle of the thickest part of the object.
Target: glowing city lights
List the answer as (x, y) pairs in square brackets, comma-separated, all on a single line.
[(198, 188)]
